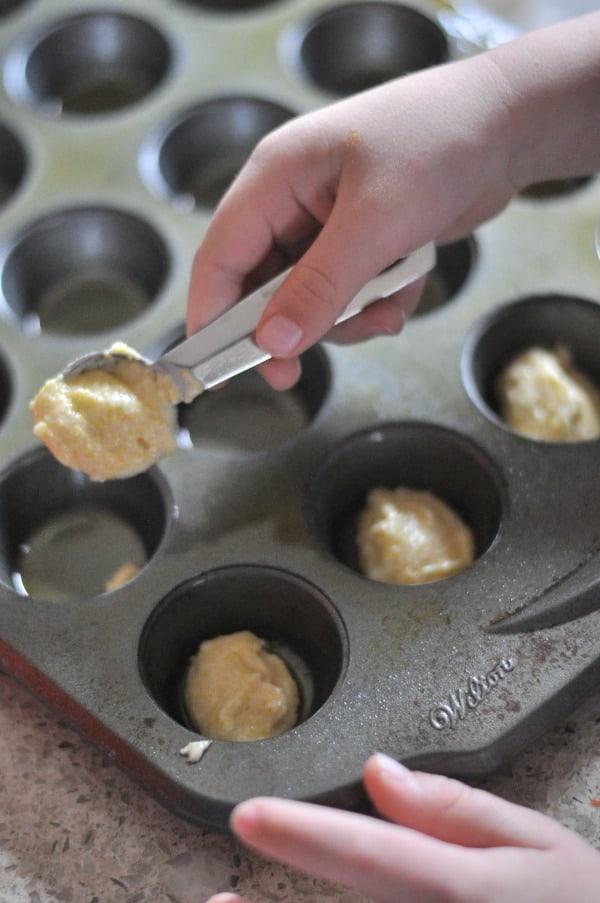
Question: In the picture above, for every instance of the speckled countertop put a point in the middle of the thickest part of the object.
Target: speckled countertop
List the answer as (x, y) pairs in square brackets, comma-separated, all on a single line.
[(74, 828)]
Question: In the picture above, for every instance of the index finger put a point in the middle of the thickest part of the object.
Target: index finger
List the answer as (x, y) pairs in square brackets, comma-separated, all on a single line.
[(267, 218), (376, 858), (236, 243)]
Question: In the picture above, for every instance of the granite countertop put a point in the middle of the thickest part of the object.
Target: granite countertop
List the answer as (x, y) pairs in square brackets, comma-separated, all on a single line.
[(74, 828)]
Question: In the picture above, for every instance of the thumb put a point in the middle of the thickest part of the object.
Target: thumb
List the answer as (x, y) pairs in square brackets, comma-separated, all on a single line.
[(339, 262)]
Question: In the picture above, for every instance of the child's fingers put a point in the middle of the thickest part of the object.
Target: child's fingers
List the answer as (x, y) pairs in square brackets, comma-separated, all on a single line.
[(281, 373), (221, 266), (384, 861), (385, 317), (321, 285), (451, 811), (269, 216), (449, 842), (258, 229)]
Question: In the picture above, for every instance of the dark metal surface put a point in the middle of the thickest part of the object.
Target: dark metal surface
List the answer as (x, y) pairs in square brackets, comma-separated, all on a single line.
[(249, 523)]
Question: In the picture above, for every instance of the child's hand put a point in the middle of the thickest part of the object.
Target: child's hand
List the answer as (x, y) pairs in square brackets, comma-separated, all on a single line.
[(346, 191), (449, 844), (350, 188)]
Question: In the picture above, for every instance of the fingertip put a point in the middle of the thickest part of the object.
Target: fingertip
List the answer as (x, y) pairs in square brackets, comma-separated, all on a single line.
[(383, 318), (245, 819), (281, 373), (388, 769), (382, 763), (389, 783)]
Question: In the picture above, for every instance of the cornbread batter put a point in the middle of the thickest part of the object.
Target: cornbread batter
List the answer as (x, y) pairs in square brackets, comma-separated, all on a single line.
[(411, 536), (544, 396), (236, 690), (108, 423), (121, 576)]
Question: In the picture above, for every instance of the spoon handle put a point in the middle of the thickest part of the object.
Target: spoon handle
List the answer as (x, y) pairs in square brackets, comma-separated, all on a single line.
[(225, 347)]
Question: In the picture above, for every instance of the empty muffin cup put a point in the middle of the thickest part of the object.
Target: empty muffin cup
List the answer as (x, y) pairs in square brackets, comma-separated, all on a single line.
[(194, 157), (548, 322), (294, 618), (83, 270), (13, 163), (86, 64), (354, 46), (248, 415), (415, 455), (64, 537)]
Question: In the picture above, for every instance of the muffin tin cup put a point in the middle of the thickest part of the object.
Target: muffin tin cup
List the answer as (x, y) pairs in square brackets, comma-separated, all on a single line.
[(87, 64), (295, 620), (547, 321), (64, 537), (195, 156), (250, 524), (350, 47), (13, 163), (83, 270)]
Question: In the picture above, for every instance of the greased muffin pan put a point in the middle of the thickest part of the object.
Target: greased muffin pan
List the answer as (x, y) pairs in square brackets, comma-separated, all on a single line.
[(121, 125)]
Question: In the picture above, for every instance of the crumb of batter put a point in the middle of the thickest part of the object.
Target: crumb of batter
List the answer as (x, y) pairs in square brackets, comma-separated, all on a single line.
[(543, 396), (109, 423), (409, 536), (194, 750), (121, 576), (236, 690)]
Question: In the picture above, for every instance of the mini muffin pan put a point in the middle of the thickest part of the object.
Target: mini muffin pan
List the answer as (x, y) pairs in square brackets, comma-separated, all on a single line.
[(121, 125)]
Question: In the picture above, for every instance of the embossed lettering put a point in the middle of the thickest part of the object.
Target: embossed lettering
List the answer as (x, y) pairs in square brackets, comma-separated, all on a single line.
[(464, 699)]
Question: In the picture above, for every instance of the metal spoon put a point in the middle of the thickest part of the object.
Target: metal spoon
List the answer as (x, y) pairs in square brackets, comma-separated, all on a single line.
[(225, 347)]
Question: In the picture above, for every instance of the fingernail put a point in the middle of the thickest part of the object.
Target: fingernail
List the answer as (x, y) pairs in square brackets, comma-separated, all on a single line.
[(397, 328), (396, 772), (279, 336)]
